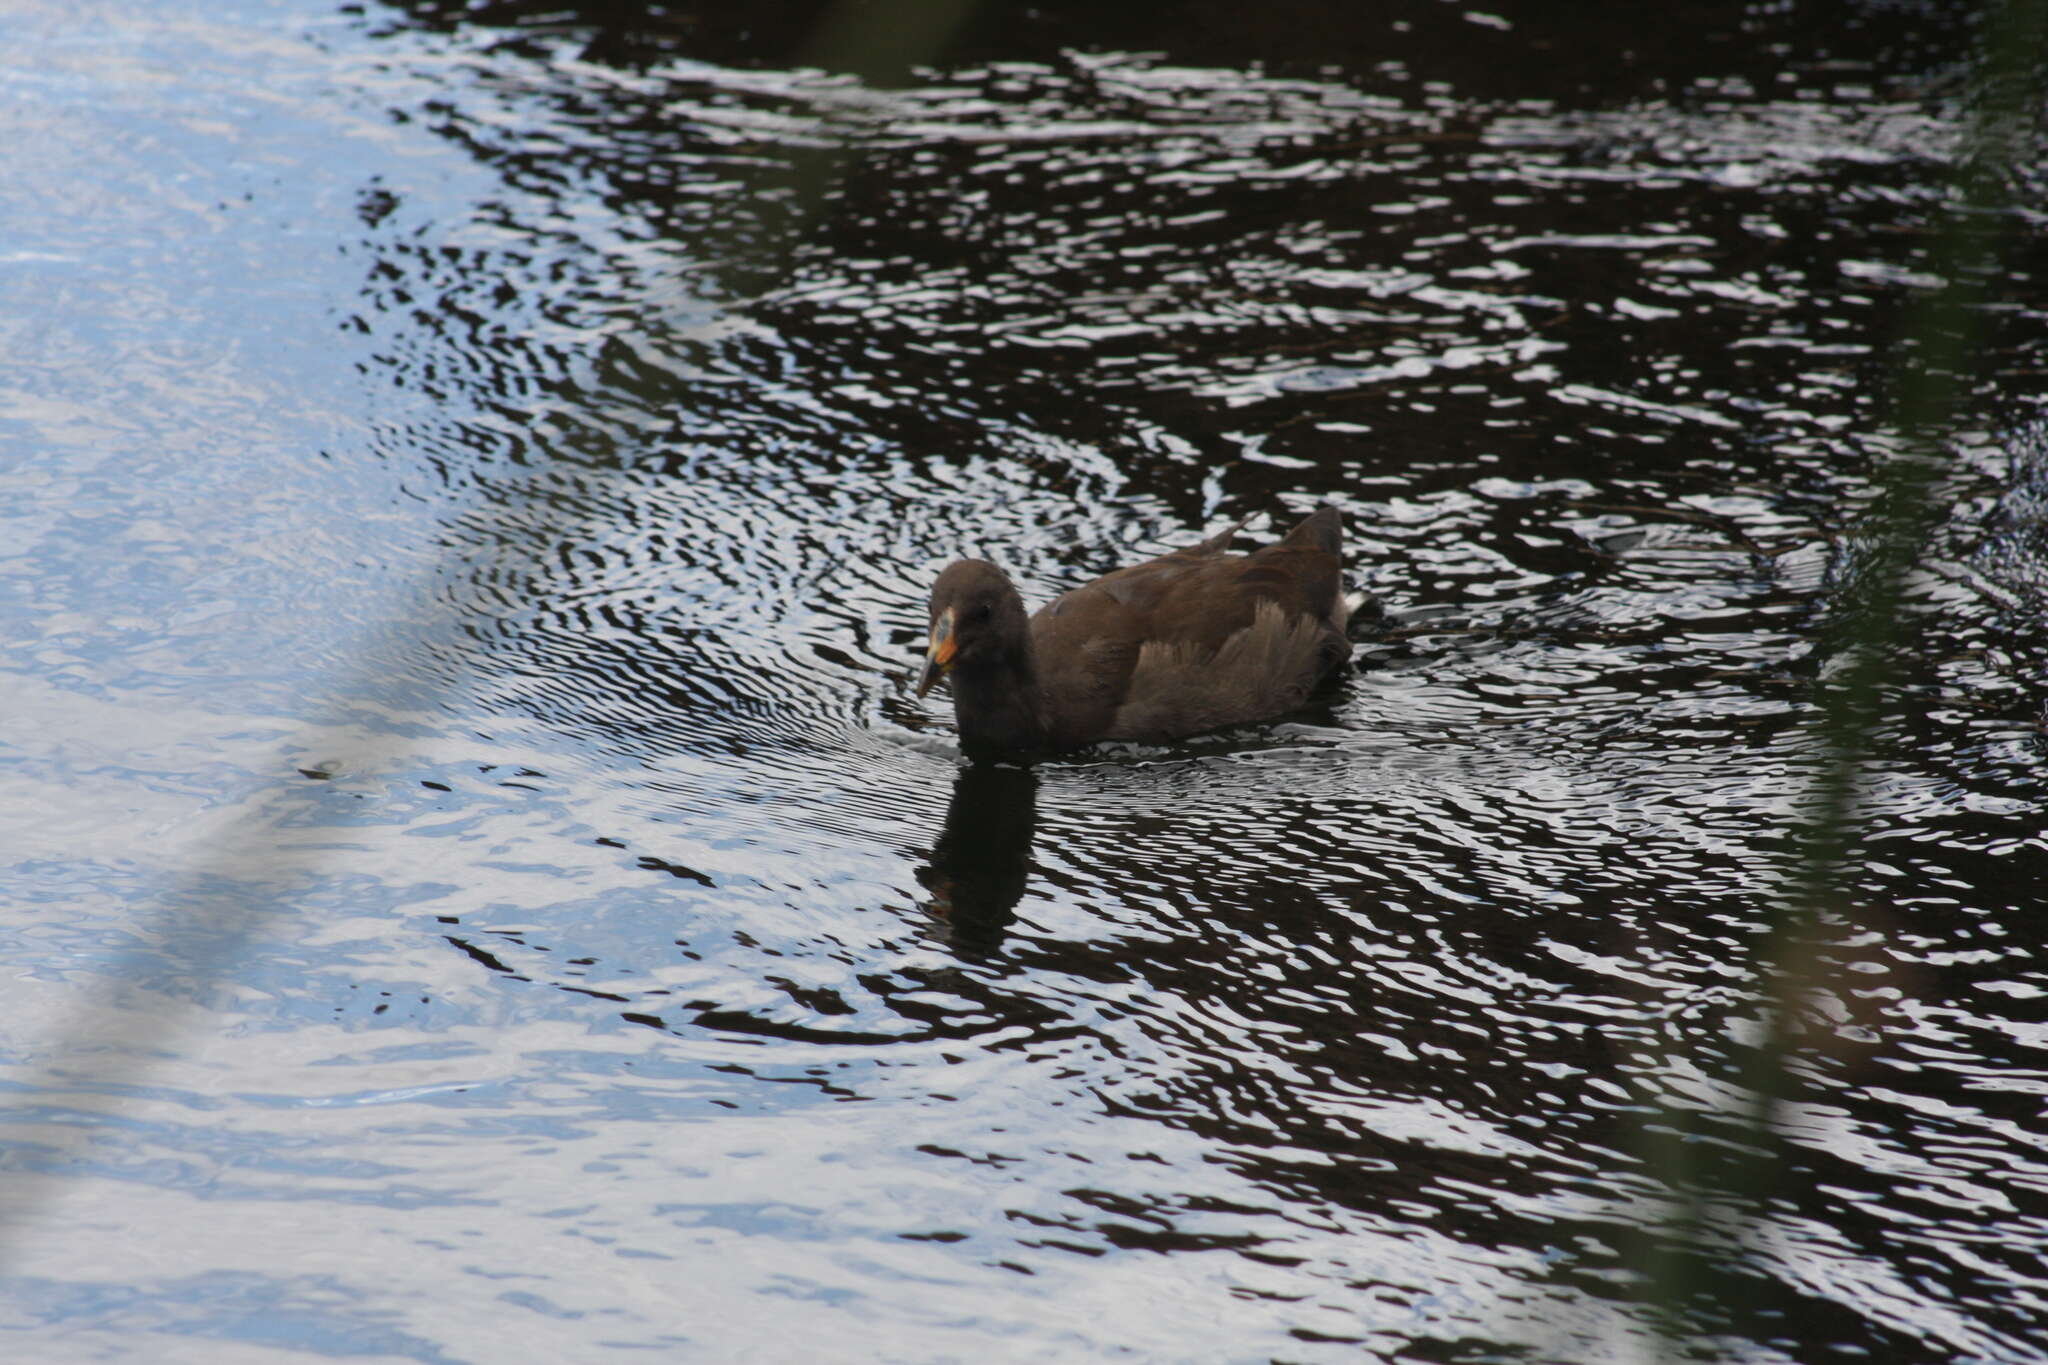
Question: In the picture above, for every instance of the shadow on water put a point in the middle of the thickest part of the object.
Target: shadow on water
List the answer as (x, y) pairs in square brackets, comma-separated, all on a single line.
[(982, 859)]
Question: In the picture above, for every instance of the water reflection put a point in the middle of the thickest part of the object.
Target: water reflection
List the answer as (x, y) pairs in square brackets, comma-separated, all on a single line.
[(982, 859)]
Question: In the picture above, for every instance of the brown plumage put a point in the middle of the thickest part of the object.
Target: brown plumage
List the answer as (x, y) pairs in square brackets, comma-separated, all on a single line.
[(1187, 642)]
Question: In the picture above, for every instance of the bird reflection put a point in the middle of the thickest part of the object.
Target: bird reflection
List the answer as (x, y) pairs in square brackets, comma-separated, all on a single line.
[(983, 857)]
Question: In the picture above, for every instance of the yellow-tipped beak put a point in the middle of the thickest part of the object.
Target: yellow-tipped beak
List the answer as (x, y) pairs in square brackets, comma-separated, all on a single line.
[(938, 656)]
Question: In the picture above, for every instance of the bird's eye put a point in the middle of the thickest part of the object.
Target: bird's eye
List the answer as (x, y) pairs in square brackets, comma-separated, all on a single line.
[(979, 614)]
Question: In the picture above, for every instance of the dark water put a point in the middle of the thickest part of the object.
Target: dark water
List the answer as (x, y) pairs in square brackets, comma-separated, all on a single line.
[(479, 888)]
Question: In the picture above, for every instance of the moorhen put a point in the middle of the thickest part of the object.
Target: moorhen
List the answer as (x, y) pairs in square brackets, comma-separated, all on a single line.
[(1191, 641)]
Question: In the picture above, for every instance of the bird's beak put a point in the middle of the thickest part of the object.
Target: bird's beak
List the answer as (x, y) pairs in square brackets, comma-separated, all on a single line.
[(938, 656)]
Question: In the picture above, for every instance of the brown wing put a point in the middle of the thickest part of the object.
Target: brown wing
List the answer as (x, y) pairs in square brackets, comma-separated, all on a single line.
[(1194, 639)]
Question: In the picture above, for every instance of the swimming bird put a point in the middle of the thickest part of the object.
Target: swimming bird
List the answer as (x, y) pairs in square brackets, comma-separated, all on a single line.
[(1191, 641)]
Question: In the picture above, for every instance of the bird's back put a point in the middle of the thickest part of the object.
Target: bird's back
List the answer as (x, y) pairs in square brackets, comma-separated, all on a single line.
[(1196, 639)]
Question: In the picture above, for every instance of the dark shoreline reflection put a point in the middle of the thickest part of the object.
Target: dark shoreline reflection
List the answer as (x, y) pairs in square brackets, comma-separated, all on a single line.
[(982, 859)]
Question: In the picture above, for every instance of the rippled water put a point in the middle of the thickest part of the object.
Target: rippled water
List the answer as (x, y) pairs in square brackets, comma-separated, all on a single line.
[(480, 887)]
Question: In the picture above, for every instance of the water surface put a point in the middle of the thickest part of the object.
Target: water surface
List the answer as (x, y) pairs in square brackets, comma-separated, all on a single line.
[(480, 887)]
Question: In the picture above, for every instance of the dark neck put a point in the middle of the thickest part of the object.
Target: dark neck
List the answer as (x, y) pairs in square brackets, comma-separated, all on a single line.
[(997, 702)]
